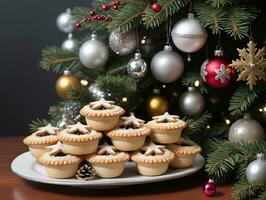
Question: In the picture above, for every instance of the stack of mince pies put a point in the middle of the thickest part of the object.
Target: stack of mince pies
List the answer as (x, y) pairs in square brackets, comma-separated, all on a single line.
[(82, 150)]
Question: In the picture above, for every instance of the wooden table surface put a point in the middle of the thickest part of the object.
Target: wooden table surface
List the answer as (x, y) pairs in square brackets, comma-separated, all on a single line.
[(15, 188)]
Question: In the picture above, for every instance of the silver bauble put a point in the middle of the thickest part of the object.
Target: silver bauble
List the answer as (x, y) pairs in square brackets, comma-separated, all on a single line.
[(137, 67), (72, 108), (123, 43), (64, 122), (70, 44), (65, 22), (167, 66), (246, 130), (256, 170), (97, 93), (93, 53), (191, 102), (188, 35)]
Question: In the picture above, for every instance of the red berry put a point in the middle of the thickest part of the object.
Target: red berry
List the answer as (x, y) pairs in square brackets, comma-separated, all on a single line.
[(86, 19), (77, 25), (107, 18), (102, 17), (142, 15), (91, 13), (156, 7), (105, 7), (97, 17), (116, 3), (115, 7)]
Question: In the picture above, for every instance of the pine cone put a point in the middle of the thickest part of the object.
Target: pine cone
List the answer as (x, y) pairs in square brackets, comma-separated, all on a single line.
[(85, 171)]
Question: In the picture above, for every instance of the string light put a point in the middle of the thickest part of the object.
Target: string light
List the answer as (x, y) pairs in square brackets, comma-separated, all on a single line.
[(143, 40), (264, 109), (261, 110), (197, 83), (84, 82), (227, 121), (208, 126), (124, 99), (164, 86)]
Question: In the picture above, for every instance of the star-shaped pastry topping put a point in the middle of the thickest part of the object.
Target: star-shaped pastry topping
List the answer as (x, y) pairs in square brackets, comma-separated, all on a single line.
[(166, 117), (153, 149), (222, 73), (48, 129), (78, 127), (56, 148), (102, 103), (106, 149), (132, 121)]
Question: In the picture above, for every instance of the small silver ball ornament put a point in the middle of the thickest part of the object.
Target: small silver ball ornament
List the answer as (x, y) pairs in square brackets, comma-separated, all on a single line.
[(188, 35), (136, 66), (191, 102), (167, 66), (97, 93), (65, 22), (64, 122), (93, 53), (70, 44), (246, 130), (123, 43), (256, 170)]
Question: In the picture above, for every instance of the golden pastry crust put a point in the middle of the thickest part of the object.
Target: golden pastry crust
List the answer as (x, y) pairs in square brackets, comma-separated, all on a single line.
[(86, 111), (48, 159), (125, 133), (66, 136), (34, 139), (191, 149), (108, 159), (166, 126)]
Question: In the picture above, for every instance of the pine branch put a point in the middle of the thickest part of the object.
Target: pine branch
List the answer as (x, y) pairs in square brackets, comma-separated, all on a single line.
[(219, 3), (195, 125), (262, 195), (168, 8), (56, 60), (243, 190), (128, 16), (35, 124), (242, 99), (190, 78)]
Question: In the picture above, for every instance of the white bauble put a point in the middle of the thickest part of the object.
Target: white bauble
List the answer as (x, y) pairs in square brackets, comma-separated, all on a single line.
[(123, 43), (93, 53), (188, 35), (167, 66), (256, 170), (70, 44), (65, 21)]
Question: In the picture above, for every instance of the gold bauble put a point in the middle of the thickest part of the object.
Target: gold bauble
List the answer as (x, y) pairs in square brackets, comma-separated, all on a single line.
[(64, 84), (156, 105)]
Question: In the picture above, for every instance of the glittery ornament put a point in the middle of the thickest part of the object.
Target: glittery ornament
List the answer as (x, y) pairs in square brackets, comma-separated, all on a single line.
[(256, 170)]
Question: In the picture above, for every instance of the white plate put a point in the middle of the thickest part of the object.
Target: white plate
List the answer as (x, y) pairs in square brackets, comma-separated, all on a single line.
[(28, 168)]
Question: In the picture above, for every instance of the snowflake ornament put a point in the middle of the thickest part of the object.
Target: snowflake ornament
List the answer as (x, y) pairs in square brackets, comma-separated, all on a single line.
[(222, 73), (251, 65)]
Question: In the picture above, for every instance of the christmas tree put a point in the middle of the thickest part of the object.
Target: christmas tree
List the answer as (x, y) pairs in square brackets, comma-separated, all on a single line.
[(196, 59)]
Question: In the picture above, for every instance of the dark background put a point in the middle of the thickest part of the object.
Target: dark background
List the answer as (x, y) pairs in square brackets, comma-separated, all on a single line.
[(26, 91)]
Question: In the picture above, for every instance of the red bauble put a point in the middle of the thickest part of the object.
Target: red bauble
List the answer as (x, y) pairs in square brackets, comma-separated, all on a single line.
[(105, 7), (77, 25), (215, 72), (156, 7), (209, 189), (92, 13), (117, 2)]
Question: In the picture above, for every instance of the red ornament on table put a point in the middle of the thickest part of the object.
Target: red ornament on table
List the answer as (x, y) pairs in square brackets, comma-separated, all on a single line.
[(105, 7), (77, 25), (156, 7), (209, 189), (215, 72), (92, 13)]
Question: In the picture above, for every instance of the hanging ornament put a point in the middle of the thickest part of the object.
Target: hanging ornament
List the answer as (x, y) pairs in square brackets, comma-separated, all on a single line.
[(251, 65), (97, 93), (70, 44), (65, 22), (167, 66), (136, 66), (123, 43), (188, 35), (64, 84), (246, 130), (209, 189), (156, 105), (256, 170), (191, 102), (216, 72), (93, 53), (65, 121), (156, 7), (72, 108)]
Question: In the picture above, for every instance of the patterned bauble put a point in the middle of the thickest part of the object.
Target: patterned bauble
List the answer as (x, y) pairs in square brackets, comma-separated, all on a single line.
[(188, 35), (191, 102), (123, 43), (70, 44), (156, 105), (136, 66), (215, 72), (167, 66), (256, 170), (65, 22), (64, 84), (246, 130), (93, 53), (209, 189)]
